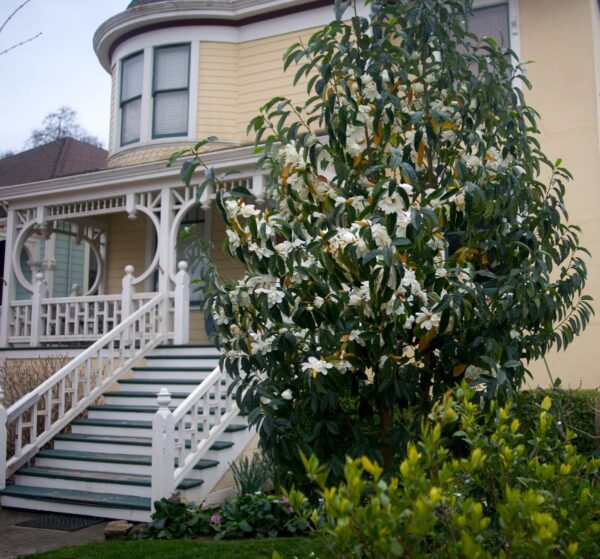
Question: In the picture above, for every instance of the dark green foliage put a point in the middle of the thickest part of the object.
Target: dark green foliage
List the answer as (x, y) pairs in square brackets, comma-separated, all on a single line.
[(253, 515), (176, 519), (423, 242), (258, 516), (575, 409)]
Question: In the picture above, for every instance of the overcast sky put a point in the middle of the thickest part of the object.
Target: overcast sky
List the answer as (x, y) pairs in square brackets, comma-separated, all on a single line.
[(58, 68)]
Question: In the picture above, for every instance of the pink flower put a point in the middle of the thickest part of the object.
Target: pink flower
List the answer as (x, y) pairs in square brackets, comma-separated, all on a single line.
[(215, 519)]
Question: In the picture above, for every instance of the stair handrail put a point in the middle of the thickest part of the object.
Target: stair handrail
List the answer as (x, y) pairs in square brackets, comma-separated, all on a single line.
[(136, 335), (170, 432)]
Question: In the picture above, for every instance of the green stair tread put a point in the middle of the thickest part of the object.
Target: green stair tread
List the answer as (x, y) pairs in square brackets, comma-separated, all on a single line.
[(168, 368), (124, 423), (105, 457), (185, 357), (163, 381), (135, 441), (175, 346), (141, 394), (74, 497), (100, 477)]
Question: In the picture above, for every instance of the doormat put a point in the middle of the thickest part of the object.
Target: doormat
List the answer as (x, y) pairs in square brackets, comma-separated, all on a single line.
[(63, 522)]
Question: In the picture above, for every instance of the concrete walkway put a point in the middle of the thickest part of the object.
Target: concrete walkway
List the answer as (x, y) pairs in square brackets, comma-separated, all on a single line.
[(17, 541)]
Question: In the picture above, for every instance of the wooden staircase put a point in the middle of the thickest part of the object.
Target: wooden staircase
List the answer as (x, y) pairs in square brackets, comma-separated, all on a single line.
[(103, 466)]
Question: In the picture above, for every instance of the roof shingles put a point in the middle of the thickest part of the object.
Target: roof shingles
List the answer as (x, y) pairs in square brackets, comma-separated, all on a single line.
[(62, 157)]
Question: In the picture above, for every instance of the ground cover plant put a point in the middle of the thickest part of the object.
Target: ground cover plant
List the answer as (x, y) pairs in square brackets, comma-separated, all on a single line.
[(420, 241), (475, 484)]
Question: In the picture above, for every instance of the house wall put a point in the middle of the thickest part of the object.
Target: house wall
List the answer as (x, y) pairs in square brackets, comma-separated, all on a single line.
[(565, 93), (126, 245)]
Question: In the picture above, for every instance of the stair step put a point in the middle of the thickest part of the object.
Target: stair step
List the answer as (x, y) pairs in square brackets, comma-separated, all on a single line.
[(166, 369), (131, 440), (215, 355), (107, 477), (71, 496), (116, 458)]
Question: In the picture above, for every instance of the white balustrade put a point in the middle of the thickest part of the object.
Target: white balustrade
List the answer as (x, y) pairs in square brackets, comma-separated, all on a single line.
[(2, 440), (44, 319), (189, 431), (44, 412)]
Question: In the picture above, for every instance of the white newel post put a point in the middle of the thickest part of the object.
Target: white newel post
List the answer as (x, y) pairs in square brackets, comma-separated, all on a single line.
[(40, 291), (127, 293), (181, 327), (163, 449), (2, 441)]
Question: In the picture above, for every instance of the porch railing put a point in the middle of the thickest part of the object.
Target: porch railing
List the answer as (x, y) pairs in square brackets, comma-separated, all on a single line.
[(187, 433), (38, 416), (44, 320)]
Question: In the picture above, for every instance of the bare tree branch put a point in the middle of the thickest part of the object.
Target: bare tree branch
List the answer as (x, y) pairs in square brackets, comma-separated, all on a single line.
[(13, 14), (21, 43), (5, 22)]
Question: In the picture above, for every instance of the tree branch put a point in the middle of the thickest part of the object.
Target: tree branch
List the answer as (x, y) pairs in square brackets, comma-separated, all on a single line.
[(21, 43)]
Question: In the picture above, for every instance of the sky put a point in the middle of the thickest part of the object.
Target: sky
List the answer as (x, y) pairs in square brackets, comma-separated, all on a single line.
[(58, 68)]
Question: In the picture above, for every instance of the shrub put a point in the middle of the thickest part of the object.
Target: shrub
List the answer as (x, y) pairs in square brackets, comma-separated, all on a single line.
[(574, 410), (18, 377), (505, 495), (423, 241)]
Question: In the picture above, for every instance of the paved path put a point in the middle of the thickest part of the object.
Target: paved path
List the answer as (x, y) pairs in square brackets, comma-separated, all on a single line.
[(17, 541)]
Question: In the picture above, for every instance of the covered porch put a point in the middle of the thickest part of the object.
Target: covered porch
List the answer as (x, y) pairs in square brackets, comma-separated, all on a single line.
[(122, 231)]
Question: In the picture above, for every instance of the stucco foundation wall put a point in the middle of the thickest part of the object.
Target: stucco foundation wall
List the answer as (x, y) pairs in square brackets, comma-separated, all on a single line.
[(557, 36), (126, 245)]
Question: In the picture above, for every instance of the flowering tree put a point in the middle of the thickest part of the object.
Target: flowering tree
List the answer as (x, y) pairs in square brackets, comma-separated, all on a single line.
[(417, 236)]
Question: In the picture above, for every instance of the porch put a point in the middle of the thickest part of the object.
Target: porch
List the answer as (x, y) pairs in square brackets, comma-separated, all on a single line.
[(125, 225)]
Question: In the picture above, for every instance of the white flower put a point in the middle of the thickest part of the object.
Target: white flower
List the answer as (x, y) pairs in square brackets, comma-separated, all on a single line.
[(234, 239), (355, 336), (283, 248), (274, 296), (316, 366), (471, 161), (260, 251), (385, 77), (459, 202), (408, 323), (248, 210), (391, 204), (441, 273), (369, 87), (289, 154), (286, 394), (380, 235), (364, 115), (427, 320)]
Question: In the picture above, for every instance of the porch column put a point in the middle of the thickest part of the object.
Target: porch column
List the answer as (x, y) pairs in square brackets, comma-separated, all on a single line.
[(166, 253), (9, 289)]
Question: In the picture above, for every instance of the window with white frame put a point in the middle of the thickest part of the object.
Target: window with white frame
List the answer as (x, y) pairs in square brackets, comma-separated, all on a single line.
[(170, 91), (130, 98)]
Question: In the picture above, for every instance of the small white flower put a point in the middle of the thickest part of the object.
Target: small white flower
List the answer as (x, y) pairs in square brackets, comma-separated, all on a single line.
[(248, 210), (380, 235), (459, 202), (316, 366), (234, 239), (441, 272), (427, 320), (286, 394), (408, 323)]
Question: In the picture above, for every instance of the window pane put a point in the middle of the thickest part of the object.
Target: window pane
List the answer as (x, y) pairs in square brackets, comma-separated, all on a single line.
[(491, 22), (131, 77), (130, 121), (171, 67), (171, 113)]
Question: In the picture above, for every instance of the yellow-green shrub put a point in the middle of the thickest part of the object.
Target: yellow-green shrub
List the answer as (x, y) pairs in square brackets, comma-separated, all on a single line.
[(505, 495)]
